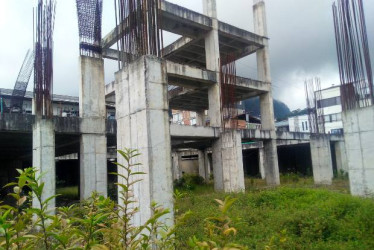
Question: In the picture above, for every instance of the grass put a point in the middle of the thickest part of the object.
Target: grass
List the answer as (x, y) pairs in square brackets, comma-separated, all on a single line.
[(297, 215), (67, 196)]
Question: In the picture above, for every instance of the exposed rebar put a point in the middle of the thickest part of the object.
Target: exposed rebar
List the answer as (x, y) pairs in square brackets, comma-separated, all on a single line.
[(43, 63), (353, 54), (229, 109), (140, 29)]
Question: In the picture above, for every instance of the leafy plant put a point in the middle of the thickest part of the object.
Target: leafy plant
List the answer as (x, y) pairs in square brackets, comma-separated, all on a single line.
[(218, 229)]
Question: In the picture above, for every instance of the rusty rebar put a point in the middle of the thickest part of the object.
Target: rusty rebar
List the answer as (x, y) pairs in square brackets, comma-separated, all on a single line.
[(140, 29), (353, 54), (43, 62), (313, 94), (229, 109)]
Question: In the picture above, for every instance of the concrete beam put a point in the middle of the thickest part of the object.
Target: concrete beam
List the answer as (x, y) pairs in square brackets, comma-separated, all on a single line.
[(232, 32), (181, 71), (177, 45), (175, 19), (195, 132)]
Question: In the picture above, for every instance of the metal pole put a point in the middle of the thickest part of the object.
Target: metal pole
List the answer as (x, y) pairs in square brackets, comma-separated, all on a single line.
[(1, 105)]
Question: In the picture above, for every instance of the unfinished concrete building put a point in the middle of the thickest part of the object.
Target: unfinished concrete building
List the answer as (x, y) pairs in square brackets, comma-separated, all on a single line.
[(142, 99)]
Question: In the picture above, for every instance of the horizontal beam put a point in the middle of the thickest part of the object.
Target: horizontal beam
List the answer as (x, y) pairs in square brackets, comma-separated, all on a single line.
[(193, 132), (175, 19)]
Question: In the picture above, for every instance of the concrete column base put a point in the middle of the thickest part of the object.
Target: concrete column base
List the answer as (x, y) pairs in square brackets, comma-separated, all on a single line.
[(261, 162), (43, 158), (93, 165), (341, 157), (143, 124), (93, 142), (271, 168), (359, 137), (207, 165), (321, 159), (176, 167), (228, 162), (202, 170)]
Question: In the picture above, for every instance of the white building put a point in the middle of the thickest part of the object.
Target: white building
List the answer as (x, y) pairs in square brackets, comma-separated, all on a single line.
[(299, 124), (330, 104)]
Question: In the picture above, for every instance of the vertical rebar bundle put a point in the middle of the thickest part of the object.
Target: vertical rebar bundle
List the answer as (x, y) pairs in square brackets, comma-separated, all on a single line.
[(353, 54), (229, 109), (89, 24), (140, 29), (22, 81), (313, 95), (43, 63)]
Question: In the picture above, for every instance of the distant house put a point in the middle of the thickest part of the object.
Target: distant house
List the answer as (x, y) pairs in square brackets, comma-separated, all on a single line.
[(331, 108)]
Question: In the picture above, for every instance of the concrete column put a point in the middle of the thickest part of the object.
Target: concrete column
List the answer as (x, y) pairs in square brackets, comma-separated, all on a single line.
[(228, 162), (200, 118), (202, 170), (212, 55), (93, 142), (207, 164), (359, 137), (176, 165), (43, 158), (341, 157), (266, 100), (143, 124), (321, 159), (261, 162)]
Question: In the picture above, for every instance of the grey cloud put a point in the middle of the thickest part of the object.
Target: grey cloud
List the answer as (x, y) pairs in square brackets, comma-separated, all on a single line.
[(302, 42)]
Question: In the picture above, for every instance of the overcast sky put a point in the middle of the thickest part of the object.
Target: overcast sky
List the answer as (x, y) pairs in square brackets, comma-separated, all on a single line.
[(301, 35)]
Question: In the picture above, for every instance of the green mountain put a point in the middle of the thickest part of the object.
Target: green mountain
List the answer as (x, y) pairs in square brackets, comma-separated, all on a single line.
[(281, 110)]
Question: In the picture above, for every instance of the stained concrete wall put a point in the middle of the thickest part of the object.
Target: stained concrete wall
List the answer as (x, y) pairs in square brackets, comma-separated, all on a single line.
[(228, 162), (359, 144), (271, 167), (143, 124), (43, 158), (93, 142), (321, 159), (341, 157)]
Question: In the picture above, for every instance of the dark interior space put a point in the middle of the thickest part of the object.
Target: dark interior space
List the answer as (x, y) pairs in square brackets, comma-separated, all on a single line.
[(295, 159), (333, 158), (250, 163)]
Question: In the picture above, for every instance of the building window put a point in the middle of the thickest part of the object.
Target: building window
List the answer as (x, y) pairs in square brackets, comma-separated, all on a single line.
[(333, 117), (306, 126), (329, 102), (302, 123)]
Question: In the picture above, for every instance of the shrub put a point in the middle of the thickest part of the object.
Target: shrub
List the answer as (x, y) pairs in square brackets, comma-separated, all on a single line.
[(189, 182), (97, 223)]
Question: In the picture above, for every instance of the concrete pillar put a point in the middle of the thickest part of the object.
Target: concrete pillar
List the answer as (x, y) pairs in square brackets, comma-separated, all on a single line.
[(321, 159), (200, 118), (359, 137), (43, 158), (202, 170), (143, 124), (176, 165), (266, 100), (207, 165), (212, 56), (93, 142), (341, 157), (228, 162), (261, 162)]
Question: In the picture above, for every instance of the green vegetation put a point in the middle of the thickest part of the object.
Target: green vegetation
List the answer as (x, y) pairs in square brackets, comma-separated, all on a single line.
[(297, 215)]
